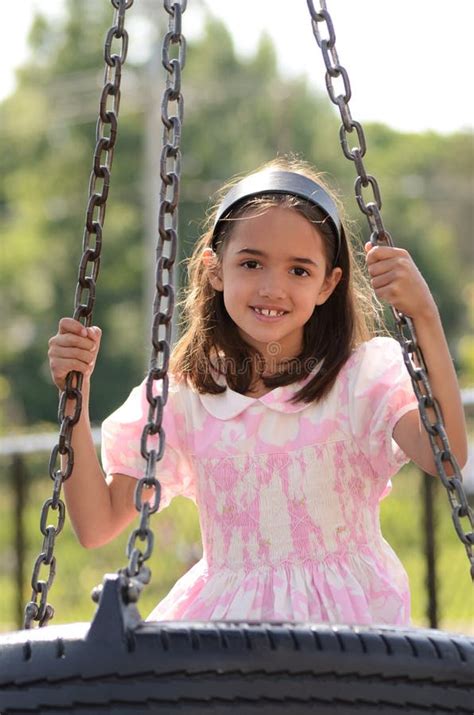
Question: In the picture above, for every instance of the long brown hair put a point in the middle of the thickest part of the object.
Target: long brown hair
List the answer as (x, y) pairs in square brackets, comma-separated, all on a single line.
[(210, 343)]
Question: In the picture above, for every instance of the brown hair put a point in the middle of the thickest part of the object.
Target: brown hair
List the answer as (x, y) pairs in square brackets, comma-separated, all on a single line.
[(211, 343)]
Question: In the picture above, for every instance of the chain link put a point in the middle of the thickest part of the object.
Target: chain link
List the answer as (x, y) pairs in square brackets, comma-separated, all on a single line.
[(429, 408), (61, 461), (152, 442)]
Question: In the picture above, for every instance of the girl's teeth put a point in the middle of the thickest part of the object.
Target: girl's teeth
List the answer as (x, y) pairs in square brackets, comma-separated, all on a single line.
[(269, 313)]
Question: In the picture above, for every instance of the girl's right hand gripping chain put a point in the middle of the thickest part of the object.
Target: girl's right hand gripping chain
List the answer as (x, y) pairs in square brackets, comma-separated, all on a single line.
[(98, 508), (74, 347)]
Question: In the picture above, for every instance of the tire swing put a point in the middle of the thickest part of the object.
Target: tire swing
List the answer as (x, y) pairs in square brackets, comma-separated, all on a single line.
[(121, 664)]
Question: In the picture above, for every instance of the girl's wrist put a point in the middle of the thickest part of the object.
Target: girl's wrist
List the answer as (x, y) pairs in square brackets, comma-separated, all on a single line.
[(427, 313), (428, 322)]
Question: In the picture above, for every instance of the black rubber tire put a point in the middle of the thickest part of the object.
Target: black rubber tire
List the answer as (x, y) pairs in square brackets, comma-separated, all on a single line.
[(227, 667), (119, 664)]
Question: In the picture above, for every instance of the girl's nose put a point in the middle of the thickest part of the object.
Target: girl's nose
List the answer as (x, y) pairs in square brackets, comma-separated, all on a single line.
[(272, 288)]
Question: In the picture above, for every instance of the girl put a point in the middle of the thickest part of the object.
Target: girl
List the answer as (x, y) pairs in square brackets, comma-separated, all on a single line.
[(285, 419)]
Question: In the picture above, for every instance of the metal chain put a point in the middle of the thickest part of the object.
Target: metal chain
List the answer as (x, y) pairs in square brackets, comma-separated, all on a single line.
[(153, 436), (429, 408), (61, 462)]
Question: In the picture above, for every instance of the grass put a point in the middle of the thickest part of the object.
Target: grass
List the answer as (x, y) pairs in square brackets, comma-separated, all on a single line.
[(402, 517), (178, 546)]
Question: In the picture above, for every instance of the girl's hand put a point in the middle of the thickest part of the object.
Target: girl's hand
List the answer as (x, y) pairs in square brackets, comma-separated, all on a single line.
[(396, 279), (74, 347)]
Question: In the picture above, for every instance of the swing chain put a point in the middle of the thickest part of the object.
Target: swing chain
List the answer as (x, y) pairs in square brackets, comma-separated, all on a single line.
[(430, 411), (61, 462), (153, 435)]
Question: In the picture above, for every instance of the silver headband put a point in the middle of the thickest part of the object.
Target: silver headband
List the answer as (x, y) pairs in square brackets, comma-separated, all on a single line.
[(271, 181)]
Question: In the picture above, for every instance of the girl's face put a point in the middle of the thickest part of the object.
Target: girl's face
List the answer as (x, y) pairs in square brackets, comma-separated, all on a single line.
[(273, 274)]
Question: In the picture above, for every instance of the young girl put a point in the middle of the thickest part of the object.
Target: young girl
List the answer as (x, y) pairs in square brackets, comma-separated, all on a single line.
[(285, 418)]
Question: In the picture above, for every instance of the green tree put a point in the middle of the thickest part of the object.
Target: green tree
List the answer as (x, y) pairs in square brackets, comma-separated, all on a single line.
[(238, 114)]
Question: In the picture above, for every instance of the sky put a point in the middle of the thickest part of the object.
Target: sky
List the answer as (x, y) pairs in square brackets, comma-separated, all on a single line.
[(409, 64)]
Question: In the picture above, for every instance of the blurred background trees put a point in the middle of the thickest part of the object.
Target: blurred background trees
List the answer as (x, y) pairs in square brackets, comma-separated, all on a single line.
[(238, 114)]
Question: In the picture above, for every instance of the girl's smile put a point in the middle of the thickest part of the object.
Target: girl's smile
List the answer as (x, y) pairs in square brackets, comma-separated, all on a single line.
[(273, 275), (268, 313)]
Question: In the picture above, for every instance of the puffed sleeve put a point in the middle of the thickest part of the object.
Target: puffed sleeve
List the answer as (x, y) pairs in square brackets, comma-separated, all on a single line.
[(380, 393), (121, 434)]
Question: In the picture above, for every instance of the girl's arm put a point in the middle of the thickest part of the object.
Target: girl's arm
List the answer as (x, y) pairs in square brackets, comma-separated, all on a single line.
[(99, 509), (396, 279)]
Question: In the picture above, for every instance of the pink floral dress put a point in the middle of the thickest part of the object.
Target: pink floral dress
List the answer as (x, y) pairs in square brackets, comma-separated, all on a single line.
[(288, 494)]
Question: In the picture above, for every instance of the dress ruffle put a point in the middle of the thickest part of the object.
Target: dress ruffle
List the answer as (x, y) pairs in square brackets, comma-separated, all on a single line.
[(355, 589)]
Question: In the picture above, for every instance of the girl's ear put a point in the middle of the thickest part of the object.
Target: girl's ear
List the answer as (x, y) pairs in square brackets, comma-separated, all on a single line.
[(329, 285), (211, 263)]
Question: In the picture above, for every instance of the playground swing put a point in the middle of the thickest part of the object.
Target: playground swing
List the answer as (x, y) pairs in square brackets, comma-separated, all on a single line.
[(121, 664)]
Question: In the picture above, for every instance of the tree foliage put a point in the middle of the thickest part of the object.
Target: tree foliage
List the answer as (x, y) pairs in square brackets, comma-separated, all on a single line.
[(238, 114)]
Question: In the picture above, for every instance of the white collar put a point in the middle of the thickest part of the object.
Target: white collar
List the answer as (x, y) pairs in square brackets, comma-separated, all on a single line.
[(227, 405)]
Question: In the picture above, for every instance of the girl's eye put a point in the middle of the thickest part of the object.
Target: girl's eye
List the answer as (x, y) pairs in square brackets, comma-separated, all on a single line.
[(250, 264), (300, 271)]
